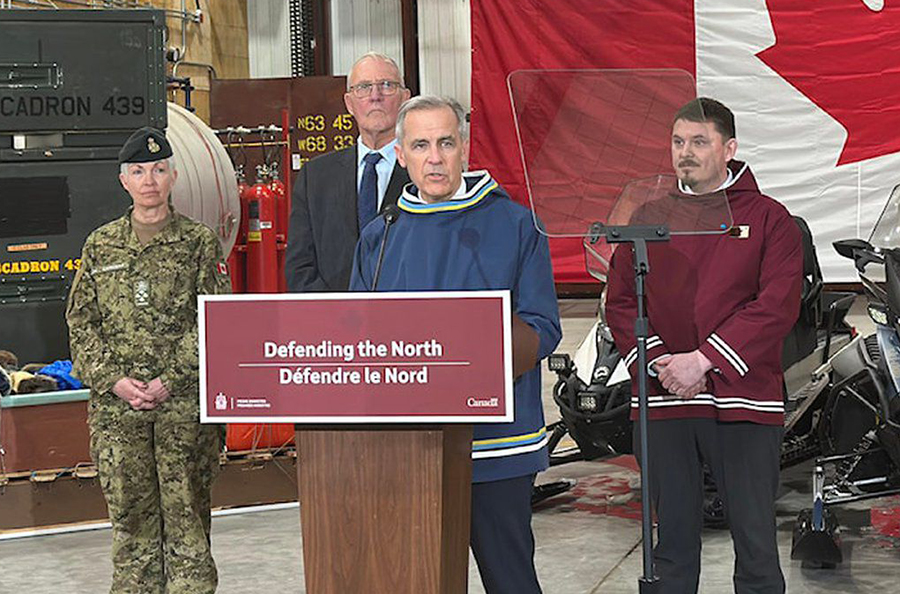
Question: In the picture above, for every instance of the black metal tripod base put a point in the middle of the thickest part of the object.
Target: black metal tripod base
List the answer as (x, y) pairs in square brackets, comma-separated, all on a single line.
[(649, 586)]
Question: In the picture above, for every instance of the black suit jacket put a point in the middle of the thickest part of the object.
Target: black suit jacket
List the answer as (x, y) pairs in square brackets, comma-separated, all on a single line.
[(324, 224)]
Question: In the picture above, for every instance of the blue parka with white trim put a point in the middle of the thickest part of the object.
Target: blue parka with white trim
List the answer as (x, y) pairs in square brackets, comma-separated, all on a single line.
[(477, 240)]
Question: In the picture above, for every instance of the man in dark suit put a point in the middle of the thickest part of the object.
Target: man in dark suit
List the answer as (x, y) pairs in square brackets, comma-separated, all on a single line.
[(337, 194)]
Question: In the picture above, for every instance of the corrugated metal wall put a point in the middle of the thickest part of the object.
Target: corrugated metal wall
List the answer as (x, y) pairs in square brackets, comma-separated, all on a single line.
[(445, 49), (360, 26), (269, 40)]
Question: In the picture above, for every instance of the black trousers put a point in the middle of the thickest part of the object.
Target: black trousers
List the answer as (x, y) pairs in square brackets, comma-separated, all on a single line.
[(501, 537), (745, 462)]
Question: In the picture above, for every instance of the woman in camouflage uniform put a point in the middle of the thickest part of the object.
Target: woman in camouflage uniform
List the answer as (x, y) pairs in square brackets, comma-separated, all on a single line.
[(132, 316)]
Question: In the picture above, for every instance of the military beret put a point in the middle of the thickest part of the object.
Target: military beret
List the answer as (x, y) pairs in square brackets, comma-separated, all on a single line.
[(144, 146)]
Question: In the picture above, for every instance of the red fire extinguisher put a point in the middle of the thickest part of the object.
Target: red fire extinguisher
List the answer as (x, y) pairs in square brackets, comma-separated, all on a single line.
[(262, 258)]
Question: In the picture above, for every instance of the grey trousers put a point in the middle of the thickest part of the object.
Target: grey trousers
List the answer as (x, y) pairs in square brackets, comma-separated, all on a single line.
[(745, 462)]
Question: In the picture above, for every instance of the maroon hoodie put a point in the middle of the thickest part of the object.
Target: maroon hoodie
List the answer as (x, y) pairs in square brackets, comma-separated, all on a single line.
[(734, 296)]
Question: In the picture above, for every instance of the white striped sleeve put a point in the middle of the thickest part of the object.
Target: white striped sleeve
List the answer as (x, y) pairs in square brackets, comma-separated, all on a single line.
[(728, 353), (652, 343)]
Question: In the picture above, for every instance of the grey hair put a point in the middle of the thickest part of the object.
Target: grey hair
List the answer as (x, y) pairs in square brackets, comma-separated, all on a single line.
[(427, 102), (373, 56), (123, 168)]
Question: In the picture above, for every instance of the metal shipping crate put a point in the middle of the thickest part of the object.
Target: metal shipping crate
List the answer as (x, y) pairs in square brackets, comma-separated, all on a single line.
[(74, 84)]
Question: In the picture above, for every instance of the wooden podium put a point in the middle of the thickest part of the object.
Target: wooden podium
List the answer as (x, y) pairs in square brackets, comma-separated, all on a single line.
[(386, 388), (385, 510)]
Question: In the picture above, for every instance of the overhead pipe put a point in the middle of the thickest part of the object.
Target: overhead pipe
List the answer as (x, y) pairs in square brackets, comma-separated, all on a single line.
[(208, 67), (175, 54), (195, 16)]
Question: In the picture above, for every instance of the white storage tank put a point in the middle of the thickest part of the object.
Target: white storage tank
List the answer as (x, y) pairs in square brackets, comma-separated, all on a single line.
[(206, 189)]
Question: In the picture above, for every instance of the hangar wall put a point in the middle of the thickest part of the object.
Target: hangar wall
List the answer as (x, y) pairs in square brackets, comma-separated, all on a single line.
[(358, 26)]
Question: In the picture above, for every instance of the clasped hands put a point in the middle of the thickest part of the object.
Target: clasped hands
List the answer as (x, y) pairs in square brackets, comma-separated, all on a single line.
[(141, 395), (683, 374)]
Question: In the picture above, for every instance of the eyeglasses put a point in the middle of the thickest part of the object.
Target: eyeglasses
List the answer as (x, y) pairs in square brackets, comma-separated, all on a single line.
[(364, 89)]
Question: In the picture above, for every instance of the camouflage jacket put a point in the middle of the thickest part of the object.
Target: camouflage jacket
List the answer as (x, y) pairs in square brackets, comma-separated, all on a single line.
[(132, 311)]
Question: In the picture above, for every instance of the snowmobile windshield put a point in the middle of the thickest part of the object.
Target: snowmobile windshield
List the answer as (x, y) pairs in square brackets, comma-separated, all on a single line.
[(885, 235), (886, 232)]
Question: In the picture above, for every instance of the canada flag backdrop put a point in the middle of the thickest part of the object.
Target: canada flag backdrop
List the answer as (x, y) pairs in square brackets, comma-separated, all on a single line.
[(814, 85)]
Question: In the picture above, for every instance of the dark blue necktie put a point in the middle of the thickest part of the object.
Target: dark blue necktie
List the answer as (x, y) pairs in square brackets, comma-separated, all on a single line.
[(367, 205)]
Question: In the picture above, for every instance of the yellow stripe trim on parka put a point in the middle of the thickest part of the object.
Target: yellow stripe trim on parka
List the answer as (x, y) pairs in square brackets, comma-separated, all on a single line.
[(512, 439), (449, 205)]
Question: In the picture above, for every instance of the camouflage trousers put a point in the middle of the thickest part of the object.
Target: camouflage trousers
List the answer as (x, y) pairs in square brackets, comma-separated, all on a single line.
[(156, 477)]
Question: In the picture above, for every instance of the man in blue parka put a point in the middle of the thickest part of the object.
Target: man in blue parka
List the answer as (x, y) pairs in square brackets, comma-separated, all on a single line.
[(460, 231)]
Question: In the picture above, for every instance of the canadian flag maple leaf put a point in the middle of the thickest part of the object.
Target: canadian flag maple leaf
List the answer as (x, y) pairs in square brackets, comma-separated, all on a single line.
[(844, 55)]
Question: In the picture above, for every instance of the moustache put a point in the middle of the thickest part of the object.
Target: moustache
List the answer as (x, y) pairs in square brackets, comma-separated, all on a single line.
[(688, 162)]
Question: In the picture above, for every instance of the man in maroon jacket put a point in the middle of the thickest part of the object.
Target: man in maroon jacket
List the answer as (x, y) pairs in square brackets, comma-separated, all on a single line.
[(719, 308)]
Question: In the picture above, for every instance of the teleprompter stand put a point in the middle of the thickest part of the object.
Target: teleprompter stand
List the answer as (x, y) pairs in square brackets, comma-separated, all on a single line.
[(593, 144), (638, 236)]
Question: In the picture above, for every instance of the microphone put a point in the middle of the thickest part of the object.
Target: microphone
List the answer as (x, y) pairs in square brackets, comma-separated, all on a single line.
[(391, 214)]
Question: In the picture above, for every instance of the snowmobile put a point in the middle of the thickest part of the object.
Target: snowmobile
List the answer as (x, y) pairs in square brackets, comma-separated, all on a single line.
[(860, 426)]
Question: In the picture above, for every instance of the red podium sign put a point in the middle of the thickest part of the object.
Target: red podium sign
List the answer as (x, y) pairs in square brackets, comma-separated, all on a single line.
[(436, 357)]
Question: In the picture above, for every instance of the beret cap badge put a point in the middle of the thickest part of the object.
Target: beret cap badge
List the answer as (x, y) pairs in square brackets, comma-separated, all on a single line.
[(144, 146)]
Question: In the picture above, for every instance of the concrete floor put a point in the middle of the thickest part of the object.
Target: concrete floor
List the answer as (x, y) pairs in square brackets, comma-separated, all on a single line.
[(588, 540)]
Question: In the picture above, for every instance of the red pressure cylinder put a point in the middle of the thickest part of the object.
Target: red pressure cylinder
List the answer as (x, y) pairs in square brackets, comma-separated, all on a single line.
[(262, 255), (244, 195), (281, 203), (281, 221), (237, 268)]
